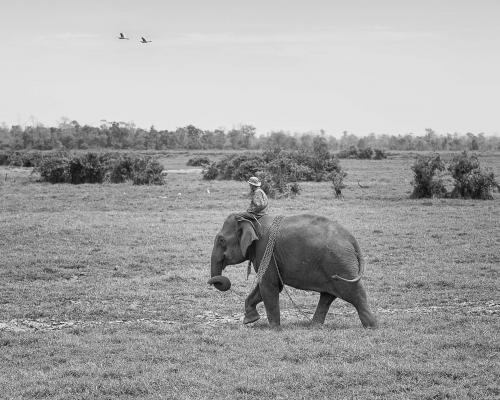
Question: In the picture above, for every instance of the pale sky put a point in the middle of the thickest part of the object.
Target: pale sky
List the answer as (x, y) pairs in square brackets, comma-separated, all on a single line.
[(384, 66)]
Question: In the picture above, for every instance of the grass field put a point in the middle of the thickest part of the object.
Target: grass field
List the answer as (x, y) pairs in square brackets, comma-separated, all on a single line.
[(103, 294)]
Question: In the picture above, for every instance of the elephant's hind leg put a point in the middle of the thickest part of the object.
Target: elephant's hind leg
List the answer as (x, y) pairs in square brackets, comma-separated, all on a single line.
[(355, 294), (325, 299)]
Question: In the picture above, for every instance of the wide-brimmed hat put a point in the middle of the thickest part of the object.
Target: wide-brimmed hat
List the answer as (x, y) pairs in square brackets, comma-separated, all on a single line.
[(254, 181)]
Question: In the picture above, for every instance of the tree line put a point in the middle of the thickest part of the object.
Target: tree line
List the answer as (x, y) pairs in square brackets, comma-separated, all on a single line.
[(70, 135)]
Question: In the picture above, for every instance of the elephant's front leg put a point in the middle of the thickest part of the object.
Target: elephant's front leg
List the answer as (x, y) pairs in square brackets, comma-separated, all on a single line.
[(254, 298), (270, 296)]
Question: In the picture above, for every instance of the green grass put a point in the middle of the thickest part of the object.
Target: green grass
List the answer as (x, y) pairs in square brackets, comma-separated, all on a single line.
[(125, 267)]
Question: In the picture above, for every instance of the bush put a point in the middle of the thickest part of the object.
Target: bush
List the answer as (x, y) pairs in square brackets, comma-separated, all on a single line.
[(351, 152), (55, 170), (425, 183), (337, 180), (210, 172), (278, 170), (4, 158), (379, 154), (362, 154), (277, 186), (120, 169), (16, 159), (235, 166), (295, 189), (198, 162), (94, 168), (365, 154), (87, 168), (471, 181), (247, 168), (147, 171)]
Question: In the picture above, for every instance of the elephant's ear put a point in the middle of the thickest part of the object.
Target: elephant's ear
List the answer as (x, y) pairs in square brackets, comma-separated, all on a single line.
[(247, 237)]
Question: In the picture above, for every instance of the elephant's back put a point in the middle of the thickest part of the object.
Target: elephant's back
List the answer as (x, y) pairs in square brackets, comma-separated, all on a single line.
[(314, 224), (318, 233)]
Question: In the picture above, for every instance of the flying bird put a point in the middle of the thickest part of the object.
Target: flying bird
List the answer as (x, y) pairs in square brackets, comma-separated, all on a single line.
[(143, 40), (122, 36)]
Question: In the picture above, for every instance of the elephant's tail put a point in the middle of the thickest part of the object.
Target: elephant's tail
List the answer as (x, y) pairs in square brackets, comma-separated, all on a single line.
[(361, 263)]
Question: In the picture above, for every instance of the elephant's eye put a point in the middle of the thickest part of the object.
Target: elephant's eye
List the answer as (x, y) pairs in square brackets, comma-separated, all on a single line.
[(222, 241)]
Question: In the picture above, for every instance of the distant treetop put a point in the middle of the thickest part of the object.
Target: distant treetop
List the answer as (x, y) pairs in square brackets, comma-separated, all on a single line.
[(71, 135)]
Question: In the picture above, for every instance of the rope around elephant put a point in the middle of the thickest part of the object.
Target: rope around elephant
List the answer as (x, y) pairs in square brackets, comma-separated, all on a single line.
[(268, 253)]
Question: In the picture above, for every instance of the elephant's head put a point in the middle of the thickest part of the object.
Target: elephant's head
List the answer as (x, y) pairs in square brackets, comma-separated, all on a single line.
[(231, 245)]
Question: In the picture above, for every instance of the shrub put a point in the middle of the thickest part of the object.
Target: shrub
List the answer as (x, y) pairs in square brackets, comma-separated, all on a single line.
[(55, 170), (277, 186), (198, 161), (351, 152), (93, 168), (147, 171), (471, 181), (278, 170), (24, 159), (16, 159), (365, 154), (337, 180), (295, 189), (210, 172), (379, 154), (87, 168), (235, 166), (120, 169), (4, 158), (362, 154), (267, 185), (303, 173), (247, 168), (425, 183)]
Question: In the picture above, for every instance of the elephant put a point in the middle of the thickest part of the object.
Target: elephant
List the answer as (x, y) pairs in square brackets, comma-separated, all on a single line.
[(310, 253)]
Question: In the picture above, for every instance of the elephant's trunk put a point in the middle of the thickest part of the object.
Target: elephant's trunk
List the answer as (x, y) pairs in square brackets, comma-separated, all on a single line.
[(217, 265)]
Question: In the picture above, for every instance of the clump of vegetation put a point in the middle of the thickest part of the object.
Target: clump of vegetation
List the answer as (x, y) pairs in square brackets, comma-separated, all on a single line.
[(351, 152), (24, 159), (120, 169), (471, 181), (279, 170), (277, 185), (55, 170), (86, 168), (337, 180), (362, 154), (295, 165), (198, 161), (94, 168), (4, 158), (210, 172), (235, 166), (147, 171), (426, 183), (379, 154)]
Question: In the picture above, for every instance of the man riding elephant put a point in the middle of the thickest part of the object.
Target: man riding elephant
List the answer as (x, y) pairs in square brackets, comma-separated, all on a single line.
[(258, 203)]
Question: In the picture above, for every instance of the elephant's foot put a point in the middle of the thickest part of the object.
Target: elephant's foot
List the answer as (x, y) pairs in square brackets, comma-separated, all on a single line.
[(368, 320), (251, 316), (317, 321), (371, 324)]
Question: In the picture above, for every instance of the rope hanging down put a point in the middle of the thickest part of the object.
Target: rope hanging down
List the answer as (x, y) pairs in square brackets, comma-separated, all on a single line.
[(268, 253)]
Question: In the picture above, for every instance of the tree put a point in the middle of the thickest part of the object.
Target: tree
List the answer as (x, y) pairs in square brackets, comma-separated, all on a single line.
[(193, 137)]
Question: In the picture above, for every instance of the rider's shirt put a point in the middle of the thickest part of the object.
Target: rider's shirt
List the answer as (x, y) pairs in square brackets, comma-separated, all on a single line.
[(259, 203)]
